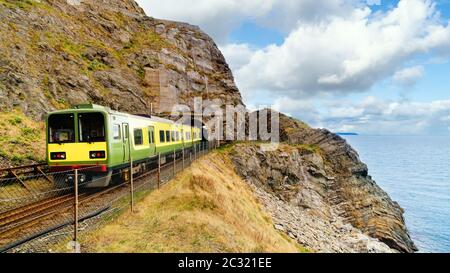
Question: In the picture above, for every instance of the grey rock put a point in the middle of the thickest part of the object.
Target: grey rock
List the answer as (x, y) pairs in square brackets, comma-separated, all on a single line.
[(332, 204), (107, 41)]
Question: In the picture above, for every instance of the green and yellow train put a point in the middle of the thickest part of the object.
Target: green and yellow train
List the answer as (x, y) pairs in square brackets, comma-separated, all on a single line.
[(102, 142)]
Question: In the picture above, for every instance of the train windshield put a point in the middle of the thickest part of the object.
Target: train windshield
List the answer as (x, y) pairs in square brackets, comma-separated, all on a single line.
[(91, 127), (61, 128)]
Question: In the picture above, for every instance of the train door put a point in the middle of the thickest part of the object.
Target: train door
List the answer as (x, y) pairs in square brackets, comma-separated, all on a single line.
[(151, 139), (126, 142), (182, 137)]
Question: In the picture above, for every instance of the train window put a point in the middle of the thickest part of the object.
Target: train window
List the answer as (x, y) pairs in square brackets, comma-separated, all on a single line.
[(138, 139), (91, 127), (61, 128), (187, 135), (173, 136), (116, 131), (162, 139), (168, 136), (178, 136)]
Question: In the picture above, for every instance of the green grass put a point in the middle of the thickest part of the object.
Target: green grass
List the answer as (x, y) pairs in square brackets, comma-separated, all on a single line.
[(21, 139), (21, 4), (146, 39), (63, 43), (206, 208), (96, 65), (77, 50), (310, 148), (15, 120), (141, 73)]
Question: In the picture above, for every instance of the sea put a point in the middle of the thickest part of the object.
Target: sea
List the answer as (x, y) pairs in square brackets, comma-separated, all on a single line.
[(415, 172)]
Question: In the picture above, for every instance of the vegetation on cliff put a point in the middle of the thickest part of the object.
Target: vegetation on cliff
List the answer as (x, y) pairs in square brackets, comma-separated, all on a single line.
[(54, 55), (21, 139), (206, 208)]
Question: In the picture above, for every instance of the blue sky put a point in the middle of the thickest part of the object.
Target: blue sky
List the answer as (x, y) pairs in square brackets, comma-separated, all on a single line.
[(371, 66)]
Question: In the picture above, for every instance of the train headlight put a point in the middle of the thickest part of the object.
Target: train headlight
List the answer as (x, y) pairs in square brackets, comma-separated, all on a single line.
[(97, 154), (58, 156)]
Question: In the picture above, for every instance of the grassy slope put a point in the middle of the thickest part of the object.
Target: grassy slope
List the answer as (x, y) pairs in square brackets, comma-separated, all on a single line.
[(21, 139), (206, 208)]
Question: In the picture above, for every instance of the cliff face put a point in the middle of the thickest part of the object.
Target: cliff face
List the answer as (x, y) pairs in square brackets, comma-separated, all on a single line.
[(54, 54), (320, 173), (293, 186)]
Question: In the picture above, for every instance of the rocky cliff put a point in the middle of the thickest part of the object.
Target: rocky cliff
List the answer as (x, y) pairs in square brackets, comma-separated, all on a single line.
[(57, 53), (317, 172)]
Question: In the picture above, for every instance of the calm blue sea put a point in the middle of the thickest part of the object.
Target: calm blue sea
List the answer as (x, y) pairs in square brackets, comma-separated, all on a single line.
[(415, 171)]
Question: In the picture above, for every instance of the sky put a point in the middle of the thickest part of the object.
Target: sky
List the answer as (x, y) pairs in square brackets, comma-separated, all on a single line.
[(378, 67)]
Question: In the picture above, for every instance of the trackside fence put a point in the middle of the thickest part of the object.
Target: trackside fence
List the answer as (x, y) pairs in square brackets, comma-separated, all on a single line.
[(48, 212)]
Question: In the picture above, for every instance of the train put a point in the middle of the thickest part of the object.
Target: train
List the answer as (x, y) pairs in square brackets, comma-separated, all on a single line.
[(101, 142)]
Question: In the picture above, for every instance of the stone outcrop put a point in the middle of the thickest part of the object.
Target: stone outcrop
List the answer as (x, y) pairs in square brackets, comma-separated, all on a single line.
[(318, 172), (310, 228), (55, 53)]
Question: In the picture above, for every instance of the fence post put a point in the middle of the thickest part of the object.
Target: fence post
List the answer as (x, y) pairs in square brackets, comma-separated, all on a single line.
[(174, 162), (132, 184), (183, 157), (190, 156), (75, 216), (159, 170)]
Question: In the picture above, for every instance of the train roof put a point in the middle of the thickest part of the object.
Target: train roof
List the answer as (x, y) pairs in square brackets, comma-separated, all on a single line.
[(100, 108)]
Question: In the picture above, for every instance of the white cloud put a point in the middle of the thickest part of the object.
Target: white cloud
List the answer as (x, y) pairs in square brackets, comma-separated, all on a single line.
[(375, 116), (237, 55), (285, 15), (345, 54), (298, 108), (408, 76), (332, 47), (217, 17)]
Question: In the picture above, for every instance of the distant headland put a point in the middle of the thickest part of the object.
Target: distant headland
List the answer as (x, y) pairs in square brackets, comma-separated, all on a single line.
[(347, 134)]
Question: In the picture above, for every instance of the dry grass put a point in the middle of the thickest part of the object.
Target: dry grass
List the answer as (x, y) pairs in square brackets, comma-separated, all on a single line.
[(21, 139), (207, 208)]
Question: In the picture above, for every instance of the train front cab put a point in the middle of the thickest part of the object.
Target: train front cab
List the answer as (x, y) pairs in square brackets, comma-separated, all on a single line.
[(78, 139)]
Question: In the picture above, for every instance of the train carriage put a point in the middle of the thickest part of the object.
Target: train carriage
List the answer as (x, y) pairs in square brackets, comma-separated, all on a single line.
[(102, 142)]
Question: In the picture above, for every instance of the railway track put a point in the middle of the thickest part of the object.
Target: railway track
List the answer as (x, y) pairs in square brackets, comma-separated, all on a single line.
[(42, 215), (20, 219), (19, 172), (21, 175), (18, 224), (15, 215)]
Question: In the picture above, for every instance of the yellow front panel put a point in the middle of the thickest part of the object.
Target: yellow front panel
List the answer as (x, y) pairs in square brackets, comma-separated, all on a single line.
[(77, 152)]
